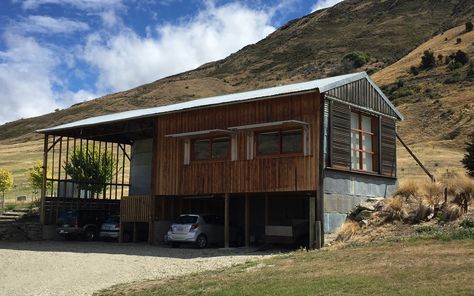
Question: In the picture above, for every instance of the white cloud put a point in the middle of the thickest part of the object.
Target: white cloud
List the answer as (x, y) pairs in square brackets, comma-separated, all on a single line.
[(320, 4), (25, 86), (48, 25), (79, 4), (126, 60), (27, 80)]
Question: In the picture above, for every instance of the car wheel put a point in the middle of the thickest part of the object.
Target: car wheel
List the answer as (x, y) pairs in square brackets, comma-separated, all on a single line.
[(175, 245), (201, 241), (90, 234)]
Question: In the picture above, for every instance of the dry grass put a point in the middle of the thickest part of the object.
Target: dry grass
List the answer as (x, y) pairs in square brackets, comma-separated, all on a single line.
[(407, 188), (409, 268), (451, 212), (347, 231), (395, 209)]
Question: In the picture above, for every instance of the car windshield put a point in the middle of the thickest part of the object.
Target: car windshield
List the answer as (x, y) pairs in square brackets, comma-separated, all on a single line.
[(186, 219), (112, 220)]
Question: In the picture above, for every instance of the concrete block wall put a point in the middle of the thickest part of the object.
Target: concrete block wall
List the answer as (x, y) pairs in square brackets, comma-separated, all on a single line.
[(344, 190), (140, 167)]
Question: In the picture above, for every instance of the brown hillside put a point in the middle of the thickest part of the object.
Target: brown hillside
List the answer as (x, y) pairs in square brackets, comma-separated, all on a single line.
[(307, 48), (393, 32)]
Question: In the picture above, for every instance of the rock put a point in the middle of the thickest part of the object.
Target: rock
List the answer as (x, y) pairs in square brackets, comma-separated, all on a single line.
[(363, 223), (366, 206), (363, 215), (375, 199)]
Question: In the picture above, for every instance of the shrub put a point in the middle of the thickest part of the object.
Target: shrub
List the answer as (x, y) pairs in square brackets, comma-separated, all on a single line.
[(461, 57), (467, 223), (357, 58), (469, 26), (454, 78), (433, 191), (458, 40), (468, 160), (347, 230), (470, 71), (428, 60), (414, 70)]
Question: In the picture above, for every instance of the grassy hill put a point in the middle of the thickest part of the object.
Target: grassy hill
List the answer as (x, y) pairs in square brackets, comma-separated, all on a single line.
[(392, 33)]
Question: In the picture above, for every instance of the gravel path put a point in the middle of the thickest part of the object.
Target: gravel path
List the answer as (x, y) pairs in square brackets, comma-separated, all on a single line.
[(80, 268)]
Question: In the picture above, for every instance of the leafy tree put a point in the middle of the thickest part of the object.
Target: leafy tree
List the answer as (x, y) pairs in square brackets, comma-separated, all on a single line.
[(469, 26), (35, 177), (90, 169), (461, 57), (428, 60), (468, 160), (6, 183)]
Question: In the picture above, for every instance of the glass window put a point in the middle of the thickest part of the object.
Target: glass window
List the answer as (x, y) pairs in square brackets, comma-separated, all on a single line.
[(220, 148), (268, 143), (201, 149), (362, 141), (292, 141)]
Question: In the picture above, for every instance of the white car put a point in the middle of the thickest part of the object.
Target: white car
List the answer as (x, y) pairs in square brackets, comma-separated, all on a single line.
[(199, 230), (110, 229)]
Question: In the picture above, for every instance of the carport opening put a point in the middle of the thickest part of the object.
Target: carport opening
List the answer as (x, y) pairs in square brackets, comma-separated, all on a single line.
[(135, 232)]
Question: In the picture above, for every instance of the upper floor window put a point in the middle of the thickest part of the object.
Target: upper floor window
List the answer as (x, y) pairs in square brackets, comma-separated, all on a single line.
[(279, 142), (211, 148), (362, 142)]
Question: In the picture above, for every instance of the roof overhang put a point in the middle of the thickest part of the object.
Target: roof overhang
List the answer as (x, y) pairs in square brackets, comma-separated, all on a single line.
[(284, 123), (197, 134)]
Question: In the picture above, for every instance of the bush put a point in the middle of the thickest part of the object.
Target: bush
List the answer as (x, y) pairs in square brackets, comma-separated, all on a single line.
[(458, 40), (467, 223), (454, 78), (428, 60), (469, 26), (461, 57), (468, 160), (414, 70), (357, 58), (451, 212)]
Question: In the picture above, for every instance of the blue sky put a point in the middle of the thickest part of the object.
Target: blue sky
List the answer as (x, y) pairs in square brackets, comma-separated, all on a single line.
[(55, 53)]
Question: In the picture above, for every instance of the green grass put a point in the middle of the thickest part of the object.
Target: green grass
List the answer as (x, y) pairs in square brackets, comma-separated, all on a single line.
[(425, 267)]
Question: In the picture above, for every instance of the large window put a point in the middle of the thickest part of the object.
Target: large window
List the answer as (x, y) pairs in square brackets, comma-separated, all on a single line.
[(279, 142), (211, 149), (362, 142)]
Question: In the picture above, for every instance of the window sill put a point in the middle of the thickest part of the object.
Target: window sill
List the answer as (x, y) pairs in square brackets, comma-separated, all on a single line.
[(279, 156), (371, 174)]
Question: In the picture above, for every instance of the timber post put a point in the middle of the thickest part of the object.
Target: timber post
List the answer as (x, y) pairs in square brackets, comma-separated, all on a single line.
[(226, 220), (44, 182), (247, 221)]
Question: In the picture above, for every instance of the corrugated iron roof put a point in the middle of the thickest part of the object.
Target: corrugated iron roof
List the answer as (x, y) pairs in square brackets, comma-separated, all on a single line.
[(322, 85)]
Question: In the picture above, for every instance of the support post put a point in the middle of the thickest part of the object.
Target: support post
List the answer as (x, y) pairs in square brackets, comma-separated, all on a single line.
[(226, 220), (247, 221), (43, 185), (312, 219), (317, 235)]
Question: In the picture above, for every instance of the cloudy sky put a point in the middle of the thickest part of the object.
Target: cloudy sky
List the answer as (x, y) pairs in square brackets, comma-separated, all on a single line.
[(54, 53)]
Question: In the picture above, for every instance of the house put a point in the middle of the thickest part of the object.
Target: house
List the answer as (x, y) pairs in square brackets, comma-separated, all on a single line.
[(275, 161)]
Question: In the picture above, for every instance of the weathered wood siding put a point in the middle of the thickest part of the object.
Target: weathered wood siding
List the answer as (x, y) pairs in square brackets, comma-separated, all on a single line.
[(284, 173), (137, 208)]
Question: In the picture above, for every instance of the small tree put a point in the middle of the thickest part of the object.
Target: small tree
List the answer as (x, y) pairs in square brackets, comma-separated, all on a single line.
[(35, 177), (6, 183), (468, 160), (469, 26), (90, 169), (428, 60)]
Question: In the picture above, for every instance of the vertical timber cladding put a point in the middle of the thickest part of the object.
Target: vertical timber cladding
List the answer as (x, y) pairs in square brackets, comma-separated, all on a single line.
[(269, 174)]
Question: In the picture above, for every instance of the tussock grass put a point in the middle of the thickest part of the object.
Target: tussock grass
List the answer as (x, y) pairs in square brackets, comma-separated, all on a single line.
[(395, 209), (347, 231), (407, 189)]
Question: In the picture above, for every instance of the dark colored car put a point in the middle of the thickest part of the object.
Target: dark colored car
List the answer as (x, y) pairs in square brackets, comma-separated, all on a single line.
[(81, 224)]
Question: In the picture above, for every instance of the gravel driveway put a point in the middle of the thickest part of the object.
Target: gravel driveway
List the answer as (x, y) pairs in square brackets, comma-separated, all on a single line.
[(80, 268)]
